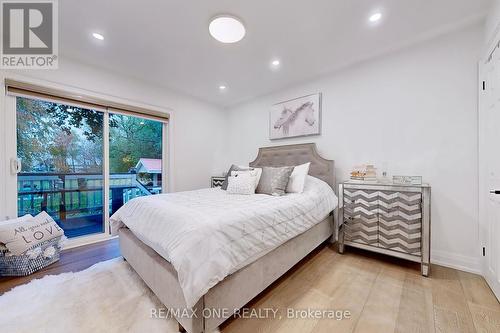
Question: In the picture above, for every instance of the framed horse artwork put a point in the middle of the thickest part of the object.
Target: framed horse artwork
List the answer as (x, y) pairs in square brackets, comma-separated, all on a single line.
[(296, 117)]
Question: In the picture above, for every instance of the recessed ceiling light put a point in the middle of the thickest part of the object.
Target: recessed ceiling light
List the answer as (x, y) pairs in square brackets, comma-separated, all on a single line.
[(227, 29), (275, 63), (98, 36), (222, 88), (375, 17)]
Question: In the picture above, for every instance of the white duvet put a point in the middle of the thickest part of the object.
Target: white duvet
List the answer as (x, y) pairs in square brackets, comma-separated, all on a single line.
[(209, 234)]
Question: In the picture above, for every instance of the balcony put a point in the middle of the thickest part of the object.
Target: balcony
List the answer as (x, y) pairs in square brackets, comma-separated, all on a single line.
[(75, 200)]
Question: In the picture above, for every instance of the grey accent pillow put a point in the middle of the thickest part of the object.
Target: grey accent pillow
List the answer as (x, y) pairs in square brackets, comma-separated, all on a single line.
[(274, 180), (233, 167)]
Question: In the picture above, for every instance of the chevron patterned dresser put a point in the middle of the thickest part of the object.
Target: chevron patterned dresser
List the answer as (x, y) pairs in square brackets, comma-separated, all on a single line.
[(387, 218)]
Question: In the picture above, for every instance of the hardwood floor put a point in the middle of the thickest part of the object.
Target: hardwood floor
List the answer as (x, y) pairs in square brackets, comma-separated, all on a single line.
[(382, 294), (72, 260)]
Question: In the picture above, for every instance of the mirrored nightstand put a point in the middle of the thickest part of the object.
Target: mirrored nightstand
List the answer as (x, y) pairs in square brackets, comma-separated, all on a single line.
[(216, 181)]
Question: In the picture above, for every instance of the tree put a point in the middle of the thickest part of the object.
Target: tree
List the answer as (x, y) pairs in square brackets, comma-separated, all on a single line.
[(54, 137), (133, 138), (51, 136)]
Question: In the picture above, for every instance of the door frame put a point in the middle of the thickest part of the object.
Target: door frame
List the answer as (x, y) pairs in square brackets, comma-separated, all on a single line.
[(483, 179), (8, 150)]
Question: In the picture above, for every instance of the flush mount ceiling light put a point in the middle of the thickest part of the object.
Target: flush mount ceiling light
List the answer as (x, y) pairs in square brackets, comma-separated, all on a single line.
[(226, 29), (222, 87), (97, 36), (375, 17), (275, 64)]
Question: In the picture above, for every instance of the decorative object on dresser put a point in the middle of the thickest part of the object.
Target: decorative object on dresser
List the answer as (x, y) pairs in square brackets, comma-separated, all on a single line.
[(216, 181), (387, 218), (364, 173), (407, 180), (296, 117)]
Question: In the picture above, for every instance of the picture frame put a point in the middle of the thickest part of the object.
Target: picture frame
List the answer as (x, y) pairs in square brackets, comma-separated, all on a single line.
[(297, 117)]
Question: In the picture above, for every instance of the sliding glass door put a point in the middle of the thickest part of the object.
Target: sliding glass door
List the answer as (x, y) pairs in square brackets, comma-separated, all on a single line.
[(135, 158), (80, 165), (60, 150)]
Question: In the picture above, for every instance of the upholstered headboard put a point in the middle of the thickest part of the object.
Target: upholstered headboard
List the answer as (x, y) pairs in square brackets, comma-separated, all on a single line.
[(291, 155)]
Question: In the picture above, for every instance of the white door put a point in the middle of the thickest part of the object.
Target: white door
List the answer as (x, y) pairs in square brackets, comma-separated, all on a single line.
[(489, 154)]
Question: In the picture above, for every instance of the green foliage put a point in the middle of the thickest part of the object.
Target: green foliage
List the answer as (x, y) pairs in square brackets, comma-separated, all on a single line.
[(131, 139), (53, 137), (70, 117)]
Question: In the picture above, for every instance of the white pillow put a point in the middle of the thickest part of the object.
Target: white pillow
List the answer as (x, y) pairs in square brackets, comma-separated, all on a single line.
[(298, 178), (256, 173), (243, 183)]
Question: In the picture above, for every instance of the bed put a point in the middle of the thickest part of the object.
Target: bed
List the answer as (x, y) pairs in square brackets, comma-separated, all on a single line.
[(142, 248)]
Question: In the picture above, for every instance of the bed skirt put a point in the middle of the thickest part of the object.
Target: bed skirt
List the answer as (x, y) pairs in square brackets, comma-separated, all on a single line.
[(235, 290)]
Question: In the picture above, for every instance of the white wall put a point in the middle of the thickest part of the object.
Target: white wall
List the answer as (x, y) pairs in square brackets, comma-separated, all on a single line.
[(197, 126), (415, 110), (492, 26)]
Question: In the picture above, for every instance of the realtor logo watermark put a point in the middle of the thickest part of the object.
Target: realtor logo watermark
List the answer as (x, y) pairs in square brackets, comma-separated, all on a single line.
[(29, 34)]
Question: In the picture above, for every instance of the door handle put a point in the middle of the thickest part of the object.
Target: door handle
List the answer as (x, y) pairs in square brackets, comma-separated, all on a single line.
[(495, 191), (15, 166)]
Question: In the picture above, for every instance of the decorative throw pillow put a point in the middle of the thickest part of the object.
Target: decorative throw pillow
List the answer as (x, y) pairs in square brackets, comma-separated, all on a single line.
[(256, 173), (233, 167), (243, 183), (298, 178), (19, 237), (13, 221), (274, 180)]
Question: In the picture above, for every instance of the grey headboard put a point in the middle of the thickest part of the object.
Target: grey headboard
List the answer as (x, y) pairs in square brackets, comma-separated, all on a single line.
[(291, 155)]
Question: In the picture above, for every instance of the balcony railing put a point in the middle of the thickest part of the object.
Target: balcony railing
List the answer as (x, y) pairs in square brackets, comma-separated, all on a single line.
[(75, 200)]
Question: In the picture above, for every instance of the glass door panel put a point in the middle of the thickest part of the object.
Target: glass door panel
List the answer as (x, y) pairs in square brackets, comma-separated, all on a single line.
[(135, 158), (61, 152)]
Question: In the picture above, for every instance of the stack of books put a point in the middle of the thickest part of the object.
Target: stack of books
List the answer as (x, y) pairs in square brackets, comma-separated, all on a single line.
[(364, 173)]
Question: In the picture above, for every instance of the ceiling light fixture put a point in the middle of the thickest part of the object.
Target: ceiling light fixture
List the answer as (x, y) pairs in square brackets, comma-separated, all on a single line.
[(222, 88), (275, 63), (227, 29), (375, 17), (97, 36)]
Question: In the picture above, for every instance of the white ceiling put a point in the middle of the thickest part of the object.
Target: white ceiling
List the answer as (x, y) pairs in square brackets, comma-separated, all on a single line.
[(166, 42)]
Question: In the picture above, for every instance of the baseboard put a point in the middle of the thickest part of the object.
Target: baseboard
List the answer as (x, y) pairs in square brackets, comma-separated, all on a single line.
[(456, 261)]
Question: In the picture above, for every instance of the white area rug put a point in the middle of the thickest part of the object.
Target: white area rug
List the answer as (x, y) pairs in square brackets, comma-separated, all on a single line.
[(107, 297)]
